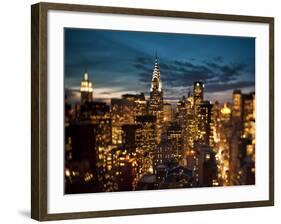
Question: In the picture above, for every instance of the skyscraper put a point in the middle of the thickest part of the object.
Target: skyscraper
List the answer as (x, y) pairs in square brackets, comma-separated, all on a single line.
[(156, 93), (248, 115), (168, 112), (189, 131), (146, 142), (174, 135), (224, 144), (86, 89), (237, 105), (206, 124), (198, 96), (156, 99), (124, 111)]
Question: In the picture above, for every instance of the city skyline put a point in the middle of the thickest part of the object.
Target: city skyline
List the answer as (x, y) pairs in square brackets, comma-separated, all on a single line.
[(173, 131), (120, 62)]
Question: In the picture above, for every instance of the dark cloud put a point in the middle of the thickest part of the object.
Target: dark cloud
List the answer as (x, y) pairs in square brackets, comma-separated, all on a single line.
[(143, 60), (230, 72), (212, 65), (228, 86), (142, 67), (218, 59), (144, 77), (184, 73)]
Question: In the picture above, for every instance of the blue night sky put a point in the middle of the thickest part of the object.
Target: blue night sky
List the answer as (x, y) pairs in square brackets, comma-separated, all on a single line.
[(121, 62)]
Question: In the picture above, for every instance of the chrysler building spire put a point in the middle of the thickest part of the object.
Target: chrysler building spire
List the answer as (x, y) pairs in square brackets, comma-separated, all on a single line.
[(156, 83)]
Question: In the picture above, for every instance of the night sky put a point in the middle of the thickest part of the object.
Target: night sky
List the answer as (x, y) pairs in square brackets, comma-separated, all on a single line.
[(121, 62)]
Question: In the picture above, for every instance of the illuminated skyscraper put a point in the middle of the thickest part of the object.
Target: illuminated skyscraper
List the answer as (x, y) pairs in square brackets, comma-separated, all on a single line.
[(248, 116), (168, 112), (237, 105), (248, 138), (124, 111), (137, 103), (207, 167), (156, 92), (216, 120), (156, 99), (181, 111), (189, 132), (86, 89), (224, 144), (164, 153), (146, 142), (198, 96), (174, 135), (206, 124)]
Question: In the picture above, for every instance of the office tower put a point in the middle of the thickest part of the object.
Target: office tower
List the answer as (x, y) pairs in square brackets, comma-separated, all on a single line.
[(86, 89), (129, 137), (156, 99), (237, 105), (98, 113), (120, 115), (205, 124), (216, 120), (198, 97), (174, 136), (234, 157), (168, 112), (189, 132), (124, 111), (247, 145), (115, 169), (181, 112), (146, 141), (224, 144), (164, 154), (207, 167), (137, 102), (248, 116), (81, 164)]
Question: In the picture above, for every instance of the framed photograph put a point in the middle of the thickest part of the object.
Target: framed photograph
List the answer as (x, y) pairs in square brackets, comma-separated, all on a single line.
[(139, 111)]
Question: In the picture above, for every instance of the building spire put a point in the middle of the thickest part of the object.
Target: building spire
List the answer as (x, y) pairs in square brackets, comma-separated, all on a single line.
[(156, 81), (86, 76)]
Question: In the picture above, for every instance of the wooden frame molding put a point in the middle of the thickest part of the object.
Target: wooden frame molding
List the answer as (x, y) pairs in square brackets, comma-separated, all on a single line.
[(39, 110)]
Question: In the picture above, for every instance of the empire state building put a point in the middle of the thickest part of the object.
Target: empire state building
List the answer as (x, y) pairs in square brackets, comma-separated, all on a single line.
[(156, 99)]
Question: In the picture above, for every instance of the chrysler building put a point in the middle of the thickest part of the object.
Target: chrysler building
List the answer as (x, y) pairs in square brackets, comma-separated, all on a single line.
[(156, 99)]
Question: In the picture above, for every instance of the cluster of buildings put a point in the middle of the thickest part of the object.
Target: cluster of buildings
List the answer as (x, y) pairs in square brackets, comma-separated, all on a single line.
[(135, 143)]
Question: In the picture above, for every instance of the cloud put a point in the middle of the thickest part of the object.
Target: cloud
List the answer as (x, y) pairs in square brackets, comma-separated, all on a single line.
[(230, 72), (178, 73), (218, 59), (216, 87)]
